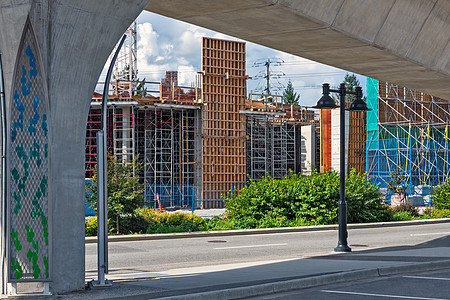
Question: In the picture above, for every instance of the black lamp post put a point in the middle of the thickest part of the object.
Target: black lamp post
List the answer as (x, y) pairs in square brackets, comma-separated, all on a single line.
[(326, 102)]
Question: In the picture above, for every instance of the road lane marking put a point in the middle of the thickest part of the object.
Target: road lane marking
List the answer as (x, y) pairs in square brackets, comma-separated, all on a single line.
[(434, 233), (381, 295), (250, 246), (431, 278)]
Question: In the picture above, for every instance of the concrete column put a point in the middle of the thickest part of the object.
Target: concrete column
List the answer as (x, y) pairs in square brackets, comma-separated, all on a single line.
[(335, 138), (308, 149), (75, 38)]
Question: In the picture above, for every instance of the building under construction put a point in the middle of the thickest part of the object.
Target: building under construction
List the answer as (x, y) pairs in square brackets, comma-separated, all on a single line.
[(200, 144), (407, 135)]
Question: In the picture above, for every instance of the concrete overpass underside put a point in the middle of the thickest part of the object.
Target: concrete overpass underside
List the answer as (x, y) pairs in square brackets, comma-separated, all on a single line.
[(400, 41)]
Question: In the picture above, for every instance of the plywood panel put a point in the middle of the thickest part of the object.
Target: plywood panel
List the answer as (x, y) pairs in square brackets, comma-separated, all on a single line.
[(223, 127), (357, 141)]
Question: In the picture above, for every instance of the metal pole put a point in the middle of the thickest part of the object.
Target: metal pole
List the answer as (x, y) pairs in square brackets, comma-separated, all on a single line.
[(101, 212), (193, 198), (102, 186), (4, 153), (342, 217)]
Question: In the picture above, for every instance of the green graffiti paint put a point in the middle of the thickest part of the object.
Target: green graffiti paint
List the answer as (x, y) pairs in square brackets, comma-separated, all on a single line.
[(35, 153), (15, 239), (33, 255), (16, 268), (46, 266), (15, 175), (18, 206), (33, 258)]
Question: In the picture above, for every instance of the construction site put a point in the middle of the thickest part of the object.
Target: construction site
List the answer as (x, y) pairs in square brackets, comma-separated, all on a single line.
[(201, 143), (408, 135)]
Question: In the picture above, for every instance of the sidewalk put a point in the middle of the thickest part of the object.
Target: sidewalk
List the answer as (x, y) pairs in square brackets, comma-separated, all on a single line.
[(233, 281)]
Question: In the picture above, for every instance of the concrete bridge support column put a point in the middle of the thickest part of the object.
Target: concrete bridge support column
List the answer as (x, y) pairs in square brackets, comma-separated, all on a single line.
[(75, 38)]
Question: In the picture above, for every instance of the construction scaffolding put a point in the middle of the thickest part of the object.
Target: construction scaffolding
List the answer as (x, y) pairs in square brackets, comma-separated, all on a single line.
[(407, 133), (170, 138), (271, 146), (198, 144), (124, 79)]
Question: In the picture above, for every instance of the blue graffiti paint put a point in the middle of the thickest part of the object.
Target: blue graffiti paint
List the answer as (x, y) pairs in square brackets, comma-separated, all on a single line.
[(33, 71), (35, 152), (44, 124), (19, 123), (26, 85), (35, 119)]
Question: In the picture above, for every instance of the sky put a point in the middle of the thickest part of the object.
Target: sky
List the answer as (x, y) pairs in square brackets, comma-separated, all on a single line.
[(165, 44)]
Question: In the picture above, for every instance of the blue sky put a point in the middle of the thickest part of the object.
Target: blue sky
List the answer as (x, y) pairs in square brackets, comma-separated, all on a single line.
[(166, 44)]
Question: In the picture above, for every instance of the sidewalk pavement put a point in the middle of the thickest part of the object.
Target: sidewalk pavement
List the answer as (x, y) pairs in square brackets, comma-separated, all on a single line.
[(240, 280)]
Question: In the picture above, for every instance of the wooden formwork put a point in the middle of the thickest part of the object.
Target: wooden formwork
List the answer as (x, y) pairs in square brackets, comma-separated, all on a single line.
[(325, 140), (223, 127), (409, 106), (357, 139), (381, 88)]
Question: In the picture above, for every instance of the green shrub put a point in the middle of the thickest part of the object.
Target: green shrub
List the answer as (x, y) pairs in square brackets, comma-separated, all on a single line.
[(406, 207), (440, 213), (128, 225), (163, 222), (91, 226), (302, 199), (364, 200), (441, 195), (402, 216)]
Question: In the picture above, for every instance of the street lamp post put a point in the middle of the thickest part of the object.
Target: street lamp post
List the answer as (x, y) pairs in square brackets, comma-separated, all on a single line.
[(326, 102)]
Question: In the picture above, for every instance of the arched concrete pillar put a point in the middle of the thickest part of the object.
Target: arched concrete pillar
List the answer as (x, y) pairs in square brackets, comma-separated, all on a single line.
[(75, 38)]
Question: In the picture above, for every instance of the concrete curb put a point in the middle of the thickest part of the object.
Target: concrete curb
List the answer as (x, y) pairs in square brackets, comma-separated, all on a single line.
[(303, 283), (212, 234)]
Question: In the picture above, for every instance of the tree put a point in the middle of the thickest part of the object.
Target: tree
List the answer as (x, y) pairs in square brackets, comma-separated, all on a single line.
[(398, 183), (125, 192), (140, 88), (289, 95), (351, 82)]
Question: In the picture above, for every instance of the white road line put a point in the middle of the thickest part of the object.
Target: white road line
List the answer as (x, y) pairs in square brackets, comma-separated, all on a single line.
[(251, 246), (381, 295), (431, 278), (434, 233)]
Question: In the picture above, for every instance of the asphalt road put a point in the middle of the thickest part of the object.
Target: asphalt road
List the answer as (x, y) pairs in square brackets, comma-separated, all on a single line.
[(157, 255), (425, 286)]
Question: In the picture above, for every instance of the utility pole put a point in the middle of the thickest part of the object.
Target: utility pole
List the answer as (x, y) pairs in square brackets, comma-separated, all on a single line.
[(267, 89)]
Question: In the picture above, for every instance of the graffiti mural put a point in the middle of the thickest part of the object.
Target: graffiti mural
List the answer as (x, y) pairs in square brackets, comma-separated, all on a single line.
[(29, 247)]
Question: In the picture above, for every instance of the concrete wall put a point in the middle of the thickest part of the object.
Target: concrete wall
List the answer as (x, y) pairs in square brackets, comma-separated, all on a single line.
[(335, 139), (400, 41), (308, 149), (75, 38)]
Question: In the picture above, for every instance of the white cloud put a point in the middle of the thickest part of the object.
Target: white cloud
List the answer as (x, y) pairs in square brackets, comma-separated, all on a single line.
[(148, 41), (166, 45)]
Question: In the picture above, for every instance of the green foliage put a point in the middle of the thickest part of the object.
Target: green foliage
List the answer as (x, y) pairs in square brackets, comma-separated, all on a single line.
[(439, 213), (129, 224), (302, 200), (163, 222), (351, 82), (406, 207), (125, 192), (398, 182), (441, 195), (289, 95), (140, 88), (364, 200), (91, 226), (402, 216)]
